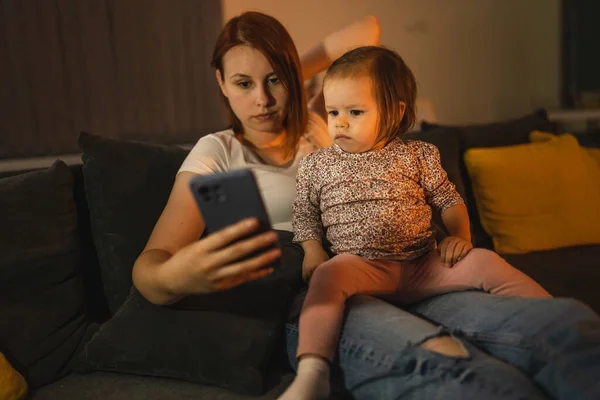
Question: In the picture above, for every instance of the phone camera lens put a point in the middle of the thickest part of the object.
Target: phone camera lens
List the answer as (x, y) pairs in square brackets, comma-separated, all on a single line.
[(219, 194), (206, 194)]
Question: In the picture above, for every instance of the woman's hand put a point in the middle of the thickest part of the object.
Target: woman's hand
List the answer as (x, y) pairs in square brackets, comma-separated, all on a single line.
[(314, 255), (210, 264), (453, 249)]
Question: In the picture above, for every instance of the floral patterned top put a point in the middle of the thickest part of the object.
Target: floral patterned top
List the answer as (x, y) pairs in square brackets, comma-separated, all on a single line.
[(376, 204)]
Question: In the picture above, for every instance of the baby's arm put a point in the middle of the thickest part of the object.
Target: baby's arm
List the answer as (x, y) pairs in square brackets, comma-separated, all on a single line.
[(314, 255), (306, 214), (456, 246), (306, 218), (456, 220), (441, 194)]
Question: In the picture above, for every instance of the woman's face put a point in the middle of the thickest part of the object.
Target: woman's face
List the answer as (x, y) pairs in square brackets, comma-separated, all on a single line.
[(256, 95)]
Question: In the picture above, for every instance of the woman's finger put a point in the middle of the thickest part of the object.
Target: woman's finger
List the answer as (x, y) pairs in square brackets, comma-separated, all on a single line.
[(241, 249), (245, 267), (222, 238)]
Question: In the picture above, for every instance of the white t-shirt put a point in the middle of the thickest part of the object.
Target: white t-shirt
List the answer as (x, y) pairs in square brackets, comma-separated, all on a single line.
[(221, 151)]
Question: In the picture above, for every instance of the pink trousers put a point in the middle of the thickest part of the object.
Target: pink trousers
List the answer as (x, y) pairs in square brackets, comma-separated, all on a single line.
[(398, 282)]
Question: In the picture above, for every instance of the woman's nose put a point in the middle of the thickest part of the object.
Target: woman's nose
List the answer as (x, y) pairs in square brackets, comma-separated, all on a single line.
[(262, 97)]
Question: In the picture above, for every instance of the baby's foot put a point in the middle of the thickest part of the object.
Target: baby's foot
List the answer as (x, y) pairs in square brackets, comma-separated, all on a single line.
[(311, 382)]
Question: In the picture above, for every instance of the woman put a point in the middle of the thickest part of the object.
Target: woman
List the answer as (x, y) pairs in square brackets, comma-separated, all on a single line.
[(382, 354)]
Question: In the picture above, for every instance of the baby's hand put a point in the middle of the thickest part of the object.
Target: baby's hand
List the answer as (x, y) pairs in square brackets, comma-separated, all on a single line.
[(453, 249), (312, 259)]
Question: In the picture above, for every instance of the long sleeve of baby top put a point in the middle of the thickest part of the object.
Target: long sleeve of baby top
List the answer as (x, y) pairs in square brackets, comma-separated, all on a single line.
[(376, 204), (306, 215)]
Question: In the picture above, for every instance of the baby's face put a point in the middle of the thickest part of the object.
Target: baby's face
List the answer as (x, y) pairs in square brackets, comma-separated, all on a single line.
[(352, 114)]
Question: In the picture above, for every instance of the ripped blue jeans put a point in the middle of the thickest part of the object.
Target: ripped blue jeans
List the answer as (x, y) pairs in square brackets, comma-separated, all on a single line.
[(518, 349)]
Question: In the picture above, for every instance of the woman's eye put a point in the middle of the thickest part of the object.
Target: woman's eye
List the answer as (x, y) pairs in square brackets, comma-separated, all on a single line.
[(355, 113), (274, 80), (244, 84)]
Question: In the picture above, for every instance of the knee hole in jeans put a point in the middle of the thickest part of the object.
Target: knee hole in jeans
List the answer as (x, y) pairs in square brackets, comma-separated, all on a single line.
[(446, 345)]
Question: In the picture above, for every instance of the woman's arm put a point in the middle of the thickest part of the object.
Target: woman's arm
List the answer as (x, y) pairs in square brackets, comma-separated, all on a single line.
[(179, 225), (364, 32), (175, 263)]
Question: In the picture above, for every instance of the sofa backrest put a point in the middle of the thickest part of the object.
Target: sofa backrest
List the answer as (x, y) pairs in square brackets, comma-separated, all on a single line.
[(95, 299), (90, 270)]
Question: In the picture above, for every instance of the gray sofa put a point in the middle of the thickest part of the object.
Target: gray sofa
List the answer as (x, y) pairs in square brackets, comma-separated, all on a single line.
[(109, 227)]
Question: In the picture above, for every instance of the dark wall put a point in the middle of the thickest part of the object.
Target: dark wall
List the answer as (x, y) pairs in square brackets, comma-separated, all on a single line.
[(130, 69), (580, 49)]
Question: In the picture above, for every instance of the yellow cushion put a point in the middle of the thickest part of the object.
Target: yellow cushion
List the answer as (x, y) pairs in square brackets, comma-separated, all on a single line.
[(12, 384), (539, 136), (595, 154), (536, 196)]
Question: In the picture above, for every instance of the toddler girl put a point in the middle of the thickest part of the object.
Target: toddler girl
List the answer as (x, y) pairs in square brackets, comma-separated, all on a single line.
[(372, 194)]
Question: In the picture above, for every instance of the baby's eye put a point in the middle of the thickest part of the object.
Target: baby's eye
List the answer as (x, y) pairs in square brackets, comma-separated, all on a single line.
[(244, 84), (356, 113), (274, 80), (333, 113)]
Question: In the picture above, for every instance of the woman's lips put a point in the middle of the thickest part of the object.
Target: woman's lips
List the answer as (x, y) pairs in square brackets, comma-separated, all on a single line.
[(266, 116)]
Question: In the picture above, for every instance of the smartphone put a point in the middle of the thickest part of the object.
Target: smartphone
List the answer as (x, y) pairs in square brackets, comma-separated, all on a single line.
[(226, 198)]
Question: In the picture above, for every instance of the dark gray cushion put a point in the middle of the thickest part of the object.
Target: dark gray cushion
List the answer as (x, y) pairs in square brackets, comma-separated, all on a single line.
[(500, 133), (127, 185), (589, 139), (566, 272), (42, 313), (225, 339)]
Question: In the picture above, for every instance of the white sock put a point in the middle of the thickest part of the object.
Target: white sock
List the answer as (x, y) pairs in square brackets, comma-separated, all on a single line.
[(311, 382)]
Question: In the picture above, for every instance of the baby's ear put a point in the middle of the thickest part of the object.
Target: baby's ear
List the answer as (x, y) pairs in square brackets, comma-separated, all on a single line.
[(402, 109)]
